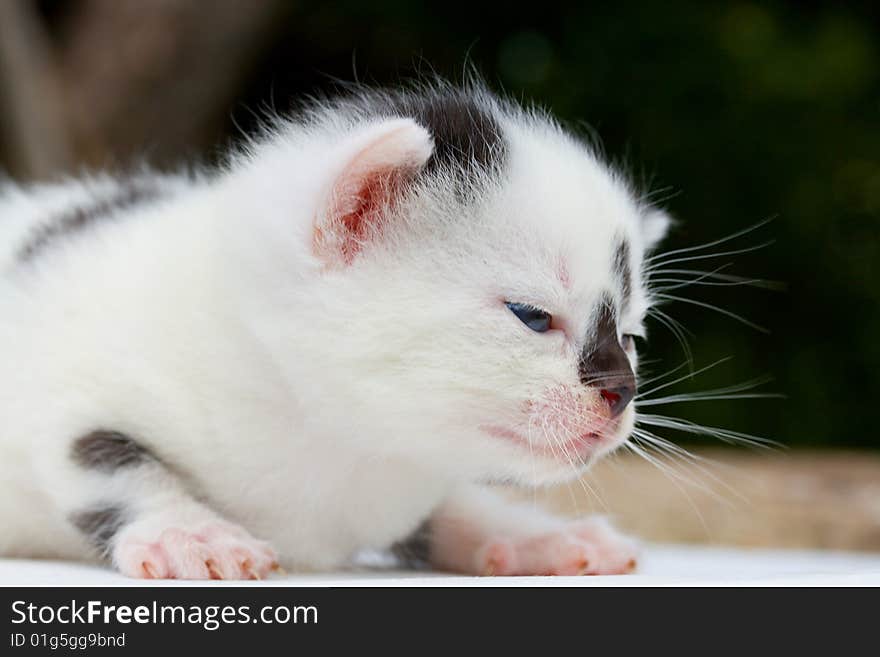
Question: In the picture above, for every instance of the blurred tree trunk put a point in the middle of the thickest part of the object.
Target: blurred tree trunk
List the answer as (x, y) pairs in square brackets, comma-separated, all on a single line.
[(34, 130), (125, 79)]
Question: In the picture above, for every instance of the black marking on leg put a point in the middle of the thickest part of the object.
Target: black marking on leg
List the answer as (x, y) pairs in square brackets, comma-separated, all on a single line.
[(108, 451), (415, 550), (129, 194), (99, 525)]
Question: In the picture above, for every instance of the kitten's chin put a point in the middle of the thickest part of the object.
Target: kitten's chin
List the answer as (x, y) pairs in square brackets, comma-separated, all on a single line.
[(544, 473), (554, 461)]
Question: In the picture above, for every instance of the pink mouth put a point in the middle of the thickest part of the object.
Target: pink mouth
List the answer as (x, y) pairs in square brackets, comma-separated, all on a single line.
[(579, 424), (577, 446)]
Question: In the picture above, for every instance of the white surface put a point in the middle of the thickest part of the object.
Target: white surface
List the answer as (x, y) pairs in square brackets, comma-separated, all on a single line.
[(662, 565)]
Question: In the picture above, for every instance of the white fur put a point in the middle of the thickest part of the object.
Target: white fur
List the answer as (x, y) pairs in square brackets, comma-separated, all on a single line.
[(324, 408)]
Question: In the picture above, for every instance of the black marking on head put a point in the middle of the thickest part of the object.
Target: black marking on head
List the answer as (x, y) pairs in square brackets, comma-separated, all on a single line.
[(108, 451), (99, 525), (623, 270), (603, 362), (415, 550), (467, 136), (129, 194)]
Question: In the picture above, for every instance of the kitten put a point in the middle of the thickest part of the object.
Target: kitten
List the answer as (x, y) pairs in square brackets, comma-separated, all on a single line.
[(341, 336)]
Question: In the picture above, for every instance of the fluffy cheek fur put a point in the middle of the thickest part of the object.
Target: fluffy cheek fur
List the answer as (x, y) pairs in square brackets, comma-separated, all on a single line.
[(486, 393)]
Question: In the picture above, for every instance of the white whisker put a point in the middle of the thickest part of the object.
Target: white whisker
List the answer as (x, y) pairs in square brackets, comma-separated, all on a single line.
[(709, 306), (709, 256), (695, 397), (676, 329), (671, 475), (683, 378), (698, 462), (700, 247), (726, 435)]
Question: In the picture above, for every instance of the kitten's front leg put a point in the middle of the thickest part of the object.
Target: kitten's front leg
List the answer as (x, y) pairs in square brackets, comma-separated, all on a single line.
[(136, 511), (477, 532)]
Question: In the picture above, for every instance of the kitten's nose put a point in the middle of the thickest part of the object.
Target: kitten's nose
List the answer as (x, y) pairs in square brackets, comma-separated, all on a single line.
[(605, 366), (618, 397)]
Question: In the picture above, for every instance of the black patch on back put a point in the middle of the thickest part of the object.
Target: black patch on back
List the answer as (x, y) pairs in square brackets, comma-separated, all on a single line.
[(99, 525), (415, 550), (129, 194), (467, 137), (108, 451), (623, 271)]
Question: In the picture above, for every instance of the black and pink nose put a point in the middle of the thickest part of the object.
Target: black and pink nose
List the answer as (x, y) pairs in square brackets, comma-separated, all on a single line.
[(605, 366), (618, 398), (607, 370)]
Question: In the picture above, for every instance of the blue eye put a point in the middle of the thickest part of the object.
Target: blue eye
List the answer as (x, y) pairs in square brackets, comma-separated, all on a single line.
[(535, 318)]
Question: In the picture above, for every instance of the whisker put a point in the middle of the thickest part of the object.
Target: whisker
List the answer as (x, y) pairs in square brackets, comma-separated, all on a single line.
[(757, 282), (681, 282), (659, 196), (698, 462), (690, 479), (676, 329), (653, 379), (671, 476), (683, 378), (709, 274), (708, 256), (726, 435), (709, 306), (707, 245), (707, 396), (585, 487)]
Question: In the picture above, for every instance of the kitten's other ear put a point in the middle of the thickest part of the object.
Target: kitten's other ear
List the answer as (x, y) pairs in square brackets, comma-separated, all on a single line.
[(655, 226), (372, 176)]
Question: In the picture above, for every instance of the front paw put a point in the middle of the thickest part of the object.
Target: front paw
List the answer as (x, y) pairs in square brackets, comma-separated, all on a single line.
[(216, 550), (582, 547)]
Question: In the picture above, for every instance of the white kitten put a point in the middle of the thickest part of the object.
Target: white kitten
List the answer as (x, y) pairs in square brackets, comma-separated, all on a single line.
[(382, 305)]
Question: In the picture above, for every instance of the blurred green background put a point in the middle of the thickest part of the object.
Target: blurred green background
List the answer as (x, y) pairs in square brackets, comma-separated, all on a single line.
[(733, 112)]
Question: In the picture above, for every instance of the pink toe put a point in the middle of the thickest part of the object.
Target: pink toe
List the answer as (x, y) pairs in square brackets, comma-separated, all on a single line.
[(187, 556), (142, 561), (498, 559)]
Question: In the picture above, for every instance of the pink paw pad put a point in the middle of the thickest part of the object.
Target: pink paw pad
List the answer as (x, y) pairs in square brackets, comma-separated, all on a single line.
[(616, 554), (215, 551), (581, 548)]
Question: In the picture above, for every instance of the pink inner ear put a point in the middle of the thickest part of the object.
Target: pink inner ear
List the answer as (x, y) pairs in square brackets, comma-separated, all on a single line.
[(359, 213), (363, 196)]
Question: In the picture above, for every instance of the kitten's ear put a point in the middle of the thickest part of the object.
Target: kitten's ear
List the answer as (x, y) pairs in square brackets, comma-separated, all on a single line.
[(655, 226), (373, 175)]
